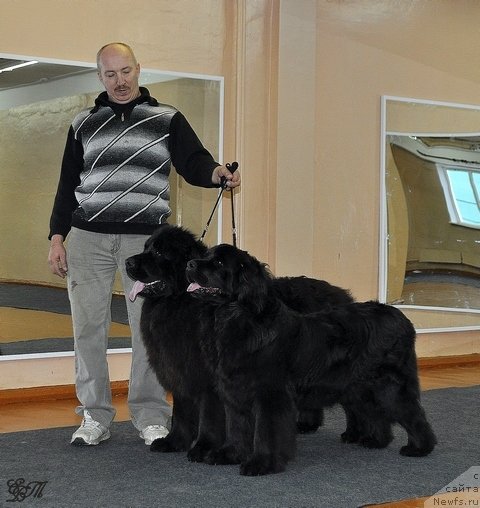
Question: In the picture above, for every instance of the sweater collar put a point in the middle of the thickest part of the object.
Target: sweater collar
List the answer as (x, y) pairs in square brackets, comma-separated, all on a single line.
[(119, 109)]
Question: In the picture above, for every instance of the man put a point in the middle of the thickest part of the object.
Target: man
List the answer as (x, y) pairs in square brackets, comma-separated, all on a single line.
[(112, 193)]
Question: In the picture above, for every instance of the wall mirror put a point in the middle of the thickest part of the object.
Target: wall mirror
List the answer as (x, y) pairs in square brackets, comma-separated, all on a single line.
[(37, 106), (430, 212)]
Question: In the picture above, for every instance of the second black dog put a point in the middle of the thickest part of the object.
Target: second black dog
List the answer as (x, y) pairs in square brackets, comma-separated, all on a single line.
[(361, 355)]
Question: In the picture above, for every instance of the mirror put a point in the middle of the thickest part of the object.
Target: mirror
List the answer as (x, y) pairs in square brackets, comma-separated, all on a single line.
[(36, 109), (430, 215)]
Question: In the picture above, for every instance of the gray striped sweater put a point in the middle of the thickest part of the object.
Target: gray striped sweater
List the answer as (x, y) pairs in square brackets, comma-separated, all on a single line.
[(116, 164)]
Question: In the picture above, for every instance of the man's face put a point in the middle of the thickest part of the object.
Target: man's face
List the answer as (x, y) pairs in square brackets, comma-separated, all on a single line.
[(119, 74)]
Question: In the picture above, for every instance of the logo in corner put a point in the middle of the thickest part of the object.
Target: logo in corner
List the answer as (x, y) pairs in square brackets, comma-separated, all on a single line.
[(463, 491), (19, 490)]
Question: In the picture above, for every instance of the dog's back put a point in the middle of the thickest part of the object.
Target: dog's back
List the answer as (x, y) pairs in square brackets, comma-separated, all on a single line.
[(304, 294), (366, 334)]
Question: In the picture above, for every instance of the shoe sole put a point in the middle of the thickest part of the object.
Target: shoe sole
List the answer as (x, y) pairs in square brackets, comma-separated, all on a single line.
[(81, 442)]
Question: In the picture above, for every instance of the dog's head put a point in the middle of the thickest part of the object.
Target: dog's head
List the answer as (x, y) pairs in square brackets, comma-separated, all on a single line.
[(160, 269), (227, 274)]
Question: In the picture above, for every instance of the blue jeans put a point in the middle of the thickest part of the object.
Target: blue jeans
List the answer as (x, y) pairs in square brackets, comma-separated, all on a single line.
[(93, 260)]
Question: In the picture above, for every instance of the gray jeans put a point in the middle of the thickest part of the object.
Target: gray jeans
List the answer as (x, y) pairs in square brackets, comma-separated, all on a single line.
[(93, 260)]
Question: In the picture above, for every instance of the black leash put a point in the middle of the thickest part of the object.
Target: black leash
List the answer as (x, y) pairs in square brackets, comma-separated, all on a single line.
[(223, 186)]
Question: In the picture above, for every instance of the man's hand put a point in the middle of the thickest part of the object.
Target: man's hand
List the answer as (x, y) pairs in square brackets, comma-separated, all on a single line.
[(233, 179), (57, 257)]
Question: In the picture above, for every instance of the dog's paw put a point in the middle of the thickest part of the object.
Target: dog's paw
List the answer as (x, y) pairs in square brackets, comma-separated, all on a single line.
[(198, 453), (413, 451), (372, 442), (306, 428), (309, 420), (165, 445), (349, 437), (260, 465), (222, 456)]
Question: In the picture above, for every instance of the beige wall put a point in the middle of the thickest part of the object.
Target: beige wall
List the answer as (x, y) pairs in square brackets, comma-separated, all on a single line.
[(302, 114)]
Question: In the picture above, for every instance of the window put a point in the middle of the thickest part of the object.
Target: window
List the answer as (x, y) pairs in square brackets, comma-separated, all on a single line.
[(461, 187)]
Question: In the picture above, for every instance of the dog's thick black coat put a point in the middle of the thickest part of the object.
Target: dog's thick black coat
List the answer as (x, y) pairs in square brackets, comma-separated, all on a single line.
[(360, 355), (177, 329)]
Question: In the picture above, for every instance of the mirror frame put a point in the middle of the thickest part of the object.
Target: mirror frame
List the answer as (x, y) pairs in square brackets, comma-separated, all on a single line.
[(383, 225), (144, 72)]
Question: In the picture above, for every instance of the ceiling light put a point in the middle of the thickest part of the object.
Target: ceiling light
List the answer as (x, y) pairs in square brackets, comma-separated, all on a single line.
[(18, 66)]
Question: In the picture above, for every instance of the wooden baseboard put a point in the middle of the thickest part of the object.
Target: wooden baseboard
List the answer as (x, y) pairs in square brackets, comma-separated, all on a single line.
[(46, 393), (435, 362)]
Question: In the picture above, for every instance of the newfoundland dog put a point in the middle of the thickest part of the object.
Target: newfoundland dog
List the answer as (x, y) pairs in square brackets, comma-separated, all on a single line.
[(360, 355), (177, 329), (172, 322)]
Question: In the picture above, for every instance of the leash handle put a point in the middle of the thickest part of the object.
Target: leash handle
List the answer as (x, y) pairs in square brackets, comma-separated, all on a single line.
[(232, 168)]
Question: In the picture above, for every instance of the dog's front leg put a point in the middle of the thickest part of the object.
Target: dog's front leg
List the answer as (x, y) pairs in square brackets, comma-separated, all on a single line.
[(180, 437), (274, 438), (237, 439), (211, 427)]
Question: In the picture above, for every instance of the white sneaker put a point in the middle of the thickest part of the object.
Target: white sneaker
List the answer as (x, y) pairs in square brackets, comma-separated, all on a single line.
[(152, 432), (90, 432)]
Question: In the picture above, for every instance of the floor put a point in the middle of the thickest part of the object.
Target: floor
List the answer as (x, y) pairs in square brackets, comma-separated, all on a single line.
[(60, 413)]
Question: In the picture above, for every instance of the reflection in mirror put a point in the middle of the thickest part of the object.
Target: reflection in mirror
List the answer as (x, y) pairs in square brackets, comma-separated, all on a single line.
[(35, 114), (430, 218)]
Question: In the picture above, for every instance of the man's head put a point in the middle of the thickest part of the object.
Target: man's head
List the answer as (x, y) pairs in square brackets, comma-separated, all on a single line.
[(118, 70)]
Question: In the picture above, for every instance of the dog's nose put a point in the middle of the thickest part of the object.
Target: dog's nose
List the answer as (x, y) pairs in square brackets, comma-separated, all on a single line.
[(192, 265)]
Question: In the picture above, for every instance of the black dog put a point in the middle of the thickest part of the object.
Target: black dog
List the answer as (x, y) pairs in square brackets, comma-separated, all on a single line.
[(176, 330), (171, 323), (360, 355)]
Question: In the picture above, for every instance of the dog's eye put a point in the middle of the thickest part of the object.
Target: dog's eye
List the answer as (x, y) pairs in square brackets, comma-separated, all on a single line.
[(218, 263)]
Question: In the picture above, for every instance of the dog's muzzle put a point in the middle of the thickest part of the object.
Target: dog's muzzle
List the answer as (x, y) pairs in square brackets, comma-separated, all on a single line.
[(197, 289), (146, 289)]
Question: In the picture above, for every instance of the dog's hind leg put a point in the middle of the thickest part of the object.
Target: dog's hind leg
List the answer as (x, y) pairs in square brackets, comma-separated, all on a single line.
[(367, 426), (402, 404), (352, 432), (421, 438), (310, 410), (211, 427)]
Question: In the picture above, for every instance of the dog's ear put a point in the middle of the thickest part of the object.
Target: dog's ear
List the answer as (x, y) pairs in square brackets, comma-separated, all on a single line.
[(254, 280)]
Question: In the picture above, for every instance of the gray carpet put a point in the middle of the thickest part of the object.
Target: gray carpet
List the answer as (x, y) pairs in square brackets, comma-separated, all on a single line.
[(122, 472)]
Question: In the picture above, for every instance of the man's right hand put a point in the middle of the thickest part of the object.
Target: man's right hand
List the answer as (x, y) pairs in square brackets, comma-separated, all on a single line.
[(57, 257)]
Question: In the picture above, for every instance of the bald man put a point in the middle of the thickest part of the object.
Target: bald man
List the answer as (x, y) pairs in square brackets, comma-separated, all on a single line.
[(113, 192)]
